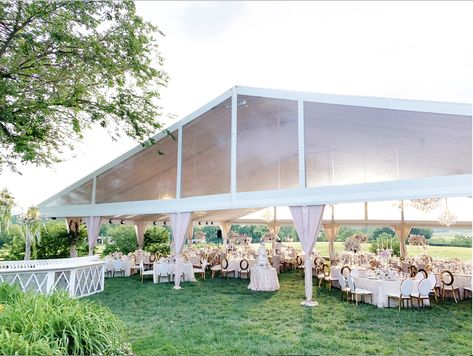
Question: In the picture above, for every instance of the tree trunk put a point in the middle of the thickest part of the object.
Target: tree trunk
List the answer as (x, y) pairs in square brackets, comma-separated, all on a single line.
[(28, 246), (73, 250)]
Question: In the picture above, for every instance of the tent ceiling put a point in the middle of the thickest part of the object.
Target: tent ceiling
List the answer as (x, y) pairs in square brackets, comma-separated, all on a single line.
[(255, 147)]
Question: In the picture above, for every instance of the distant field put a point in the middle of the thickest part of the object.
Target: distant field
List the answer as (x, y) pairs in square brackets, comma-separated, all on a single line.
[(464, 253)]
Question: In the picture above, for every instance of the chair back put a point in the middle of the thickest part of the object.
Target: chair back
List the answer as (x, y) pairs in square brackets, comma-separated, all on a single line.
[(413, 271), (244, 264), (345, 271), (433, 279), (163, 269), (299, 261), (326, 270), (342, 281), (419, 276), (351, 283), (118, 265), (447, 278), (142, 267), (424, 287), (406, 287), (224, 263)]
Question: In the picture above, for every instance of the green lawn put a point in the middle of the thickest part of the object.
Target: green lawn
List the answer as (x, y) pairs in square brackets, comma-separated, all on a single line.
[(218, 316), (463, 253)]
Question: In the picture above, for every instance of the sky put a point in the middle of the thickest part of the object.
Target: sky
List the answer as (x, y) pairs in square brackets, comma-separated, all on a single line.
[(414, 50)]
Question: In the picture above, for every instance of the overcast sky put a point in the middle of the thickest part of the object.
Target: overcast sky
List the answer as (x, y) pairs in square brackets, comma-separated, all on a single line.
[(400, 49)]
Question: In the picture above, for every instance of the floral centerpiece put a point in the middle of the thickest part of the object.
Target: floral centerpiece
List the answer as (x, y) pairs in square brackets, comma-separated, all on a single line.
[(268, 237), (199, 236), (239, 239), (385, 254), (417, 240), (386, 273), (353, 243)]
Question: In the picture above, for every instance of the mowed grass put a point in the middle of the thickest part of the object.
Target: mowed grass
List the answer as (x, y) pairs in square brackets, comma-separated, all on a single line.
[(463, 253), (222, 317)]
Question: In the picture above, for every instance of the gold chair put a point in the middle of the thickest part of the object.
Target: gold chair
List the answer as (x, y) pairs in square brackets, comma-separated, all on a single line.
[(225, 270), (447, 280), (404, 294), (244, 268), (423, 293)]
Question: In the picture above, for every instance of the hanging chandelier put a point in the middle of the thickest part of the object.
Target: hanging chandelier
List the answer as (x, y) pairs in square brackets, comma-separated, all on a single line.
[(447, 217), (425, 205)]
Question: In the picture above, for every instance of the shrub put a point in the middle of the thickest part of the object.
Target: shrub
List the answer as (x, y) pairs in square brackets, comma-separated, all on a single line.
[(121, 239), (156, 234), (54, 242), (36, 324), (395, 243), (461, 241), (161, 248)]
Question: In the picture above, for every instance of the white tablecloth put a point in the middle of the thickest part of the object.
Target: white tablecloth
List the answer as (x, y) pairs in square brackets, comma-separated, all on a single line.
[(235, 265), (263, 279), (109, 265), (185, 267), (381, 289)]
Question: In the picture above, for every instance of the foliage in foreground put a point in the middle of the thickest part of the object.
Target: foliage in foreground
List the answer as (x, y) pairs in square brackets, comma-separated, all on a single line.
[(35, 324)]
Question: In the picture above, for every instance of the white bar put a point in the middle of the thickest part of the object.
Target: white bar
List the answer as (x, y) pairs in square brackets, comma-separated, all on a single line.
[(366, 101), (179, 163), (301, 143), (72, 282), (94, 189), (233, 154), (448, 186)]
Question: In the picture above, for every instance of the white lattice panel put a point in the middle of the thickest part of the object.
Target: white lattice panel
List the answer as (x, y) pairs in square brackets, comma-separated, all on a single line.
[(86, 277)]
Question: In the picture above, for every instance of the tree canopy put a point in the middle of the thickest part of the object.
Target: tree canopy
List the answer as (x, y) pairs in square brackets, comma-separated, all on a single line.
[(67, 65)]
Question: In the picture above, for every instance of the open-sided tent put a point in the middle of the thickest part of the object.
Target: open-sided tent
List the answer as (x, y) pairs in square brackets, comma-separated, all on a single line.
[(252, 148)]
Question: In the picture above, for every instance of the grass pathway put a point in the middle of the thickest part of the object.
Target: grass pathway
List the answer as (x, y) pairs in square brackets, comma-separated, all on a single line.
[(219, 316)]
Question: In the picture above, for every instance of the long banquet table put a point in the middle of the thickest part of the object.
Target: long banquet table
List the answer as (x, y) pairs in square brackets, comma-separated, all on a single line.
[(185, 267), (381, 288)]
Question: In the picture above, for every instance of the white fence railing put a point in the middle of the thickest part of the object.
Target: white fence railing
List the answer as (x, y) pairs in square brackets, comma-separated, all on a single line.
[(80, 276)]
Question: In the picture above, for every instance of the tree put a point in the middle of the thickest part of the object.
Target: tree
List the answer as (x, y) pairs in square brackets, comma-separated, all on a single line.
[(67, 65), (427, 233), (7, 202), (54, 242), (31, 226), (381, 231)]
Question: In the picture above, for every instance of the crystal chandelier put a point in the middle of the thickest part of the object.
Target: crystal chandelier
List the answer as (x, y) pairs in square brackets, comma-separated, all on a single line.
[(425, 205), (447, 217)]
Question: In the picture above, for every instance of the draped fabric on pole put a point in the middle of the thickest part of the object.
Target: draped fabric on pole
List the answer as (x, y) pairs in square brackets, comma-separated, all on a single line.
[(140, 228), (190, 233), (331, 230), (73, 226), (93, 229), (307, 221), (179, 226), (402, 232), (226, 226)]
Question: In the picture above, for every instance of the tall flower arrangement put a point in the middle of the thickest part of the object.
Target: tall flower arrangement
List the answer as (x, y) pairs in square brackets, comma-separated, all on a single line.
[(354, 242)]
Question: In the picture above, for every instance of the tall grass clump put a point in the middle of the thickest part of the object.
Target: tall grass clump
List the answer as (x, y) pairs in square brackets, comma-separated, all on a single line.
[(36, 324)]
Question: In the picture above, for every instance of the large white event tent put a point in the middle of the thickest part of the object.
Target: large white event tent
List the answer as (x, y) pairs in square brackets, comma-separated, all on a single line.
[(253, 148)]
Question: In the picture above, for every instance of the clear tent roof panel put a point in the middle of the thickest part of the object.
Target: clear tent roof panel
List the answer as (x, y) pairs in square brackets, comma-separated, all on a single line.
[(284, 142)]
